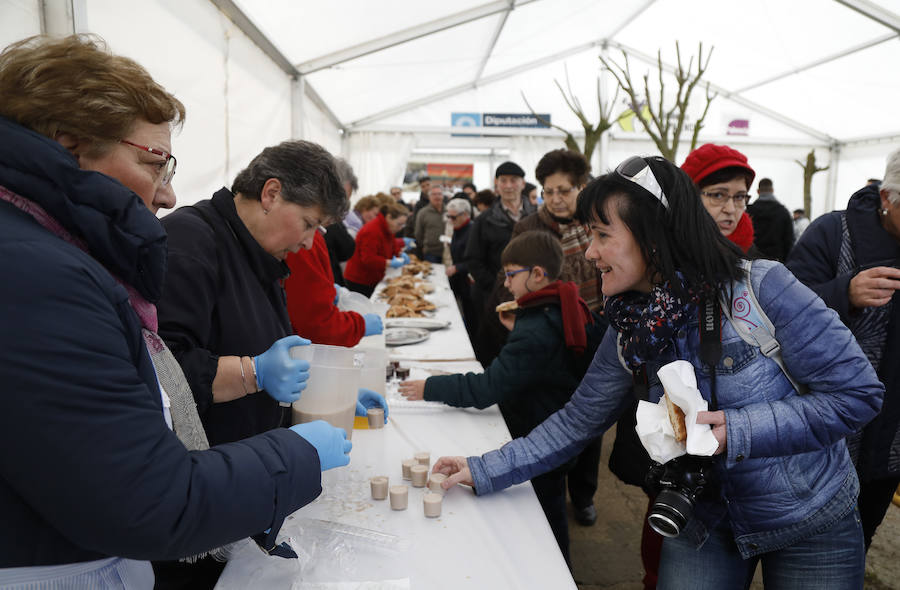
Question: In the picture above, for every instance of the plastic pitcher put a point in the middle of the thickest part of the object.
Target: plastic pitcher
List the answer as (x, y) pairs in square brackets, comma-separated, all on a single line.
[(333, 385)]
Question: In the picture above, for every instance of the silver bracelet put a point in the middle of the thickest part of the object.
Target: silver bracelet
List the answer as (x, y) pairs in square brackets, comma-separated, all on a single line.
[(243, 382)]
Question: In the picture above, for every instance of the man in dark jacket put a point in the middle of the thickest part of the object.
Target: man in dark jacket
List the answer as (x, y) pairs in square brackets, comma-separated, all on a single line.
[(492, 230), (850, 259), (409, 229), (773, 224), (459, 212)]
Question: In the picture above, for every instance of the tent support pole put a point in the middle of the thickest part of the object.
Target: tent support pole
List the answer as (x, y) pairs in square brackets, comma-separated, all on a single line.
[(831, 190)]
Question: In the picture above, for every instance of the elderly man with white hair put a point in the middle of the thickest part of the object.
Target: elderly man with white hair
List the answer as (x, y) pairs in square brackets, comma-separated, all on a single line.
[(459, 213), (851, 259)]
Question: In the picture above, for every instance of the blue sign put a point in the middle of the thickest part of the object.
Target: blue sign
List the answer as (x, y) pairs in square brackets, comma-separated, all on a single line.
[(465, 119)]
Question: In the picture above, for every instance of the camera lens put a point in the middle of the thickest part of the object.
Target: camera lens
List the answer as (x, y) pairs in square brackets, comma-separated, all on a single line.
[(670, 512)]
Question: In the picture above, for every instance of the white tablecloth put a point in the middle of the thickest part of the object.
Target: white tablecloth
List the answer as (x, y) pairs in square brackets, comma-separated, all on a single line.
[(347, 540), (449, 344)]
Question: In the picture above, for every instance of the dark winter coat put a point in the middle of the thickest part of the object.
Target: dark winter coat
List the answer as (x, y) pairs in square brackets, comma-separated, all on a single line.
[(340, 246), (89, 468), (460, 281), (490, 234), (814, 262), (773, 227), (223, 297)]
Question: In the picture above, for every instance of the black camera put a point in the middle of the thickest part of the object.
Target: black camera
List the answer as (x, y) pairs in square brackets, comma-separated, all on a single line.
[(679, 483)]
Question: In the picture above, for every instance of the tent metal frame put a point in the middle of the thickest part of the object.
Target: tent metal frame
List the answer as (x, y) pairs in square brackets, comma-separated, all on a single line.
[(66, 16), (503, 7)]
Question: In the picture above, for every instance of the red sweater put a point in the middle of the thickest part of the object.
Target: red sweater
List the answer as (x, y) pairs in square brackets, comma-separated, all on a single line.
[(310, 299), (375, 245)]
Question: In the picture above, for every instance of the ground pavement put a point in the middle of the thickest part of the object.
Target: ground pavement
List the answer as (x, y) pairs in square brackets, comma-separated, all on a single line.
[(607, 555)]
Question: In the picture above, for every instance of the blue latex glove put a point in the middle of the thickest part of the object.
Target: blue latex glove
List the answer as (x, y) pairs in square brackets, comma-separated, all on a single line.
[(337, 293), (282, 377), (331, 443), (405, 257), (370, 399), (409, 243), (396, 262), (373, 324)]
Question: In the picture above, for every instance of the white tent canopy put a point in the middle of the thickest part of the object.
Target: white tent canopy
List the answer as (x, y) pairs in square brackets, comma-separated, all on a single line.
[(377, 82)]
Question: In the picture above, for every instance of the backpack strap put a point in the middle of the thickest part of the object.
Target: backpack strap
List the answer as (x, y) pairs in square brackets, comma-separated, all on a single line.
[(752, 324)]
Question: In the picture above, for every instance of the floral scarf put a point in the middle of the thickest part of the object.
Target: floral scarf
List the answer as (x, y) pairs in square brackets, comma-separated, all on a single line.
[(648, 322)]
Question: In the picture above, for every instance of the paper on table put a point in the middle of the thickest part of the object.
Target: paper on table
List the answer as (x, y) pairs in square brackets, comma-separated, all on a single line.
[(653, 426)]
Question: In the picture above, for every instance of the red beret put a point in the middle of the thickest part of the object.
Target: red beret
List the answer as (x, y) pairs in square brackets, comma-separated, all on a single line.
[(709, 158)]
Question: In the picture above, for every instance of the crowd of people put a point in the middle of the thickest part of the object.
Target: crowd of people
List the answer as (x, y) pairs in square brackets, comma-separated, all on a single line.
[(147, 363)]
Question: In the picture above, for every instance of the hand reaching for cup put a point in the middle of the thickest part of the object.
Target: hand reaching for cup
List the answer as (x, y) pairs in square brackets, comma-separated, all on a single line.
[(412, 390), (456, 469)]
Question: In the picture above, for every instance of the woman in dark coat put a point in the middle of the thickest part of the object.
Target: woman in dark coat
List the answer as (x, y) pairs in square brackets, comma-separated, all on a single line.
[(93, 480), (851, 259)]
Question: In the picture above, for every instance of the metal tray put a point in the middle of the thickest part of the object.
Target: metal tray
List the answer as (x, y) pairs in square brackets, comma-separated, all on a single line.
[(422, 323), (402, 336)]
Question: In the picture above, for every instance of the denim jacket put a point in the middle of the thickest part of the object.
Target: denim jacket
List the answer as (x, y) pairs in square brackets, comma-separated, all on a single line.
[(785, 473)]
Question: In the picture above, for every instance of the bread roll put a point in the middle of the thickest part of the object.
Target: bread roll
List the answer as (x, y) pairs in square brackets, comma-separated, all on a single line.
[(676, 417), (507, 306)]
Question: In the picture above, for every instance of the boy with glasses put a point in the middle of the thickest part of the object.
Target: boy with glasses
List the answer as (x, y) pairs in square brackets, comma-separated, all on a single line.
[(552, 341)]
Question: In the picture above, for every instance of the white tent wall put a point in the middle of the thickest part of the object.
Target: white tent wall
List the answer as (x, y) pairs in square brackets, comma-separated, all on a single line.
[(238, 101), (316, 126), (19, 19), (378, 159)]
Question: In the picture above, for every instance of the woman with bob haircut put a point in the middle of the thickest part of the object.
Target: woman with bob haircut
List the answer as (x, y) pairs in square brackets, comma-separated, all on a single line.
[(780, 489), (105, 463)]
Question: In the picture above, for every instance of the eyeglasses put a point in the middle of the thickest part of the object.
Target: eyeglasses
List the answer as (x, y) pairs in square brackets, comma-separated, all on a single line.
[(168, 169), (511, 273), (719, 198), (563, 192), (637, 171), (452, 217)]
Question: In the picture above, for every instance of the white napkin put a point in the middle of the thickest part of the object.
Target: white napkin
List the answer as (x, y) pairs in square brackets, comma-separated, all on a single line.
[(653, 426)]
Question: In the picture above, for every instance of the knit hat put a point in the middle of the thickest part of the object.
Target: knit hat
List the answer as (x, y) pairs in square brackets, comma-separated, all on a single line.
[(510, 168), (709, 158)]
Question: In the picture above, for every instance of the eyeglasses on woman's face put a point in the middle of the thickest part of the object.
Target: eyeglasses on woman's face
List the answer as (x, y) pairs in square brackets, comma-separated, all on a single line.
[(167, 166), (720, 197), (562, 192)]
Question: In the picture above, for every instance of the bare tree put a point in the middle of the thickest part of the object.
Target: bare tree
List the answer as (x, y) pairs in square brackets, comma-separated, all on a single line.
[(592, 133), (809, 170), (666, 124)]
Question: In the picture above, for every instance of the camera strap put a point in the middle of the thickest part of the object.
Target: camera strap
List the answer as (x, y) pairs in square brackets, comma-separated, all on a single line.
[(710, 313), (711, 342)]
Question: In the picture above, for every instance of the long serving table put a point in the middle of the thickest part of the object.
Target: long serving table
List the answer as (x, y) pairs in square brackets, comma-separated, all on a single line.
[(345, 539)]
